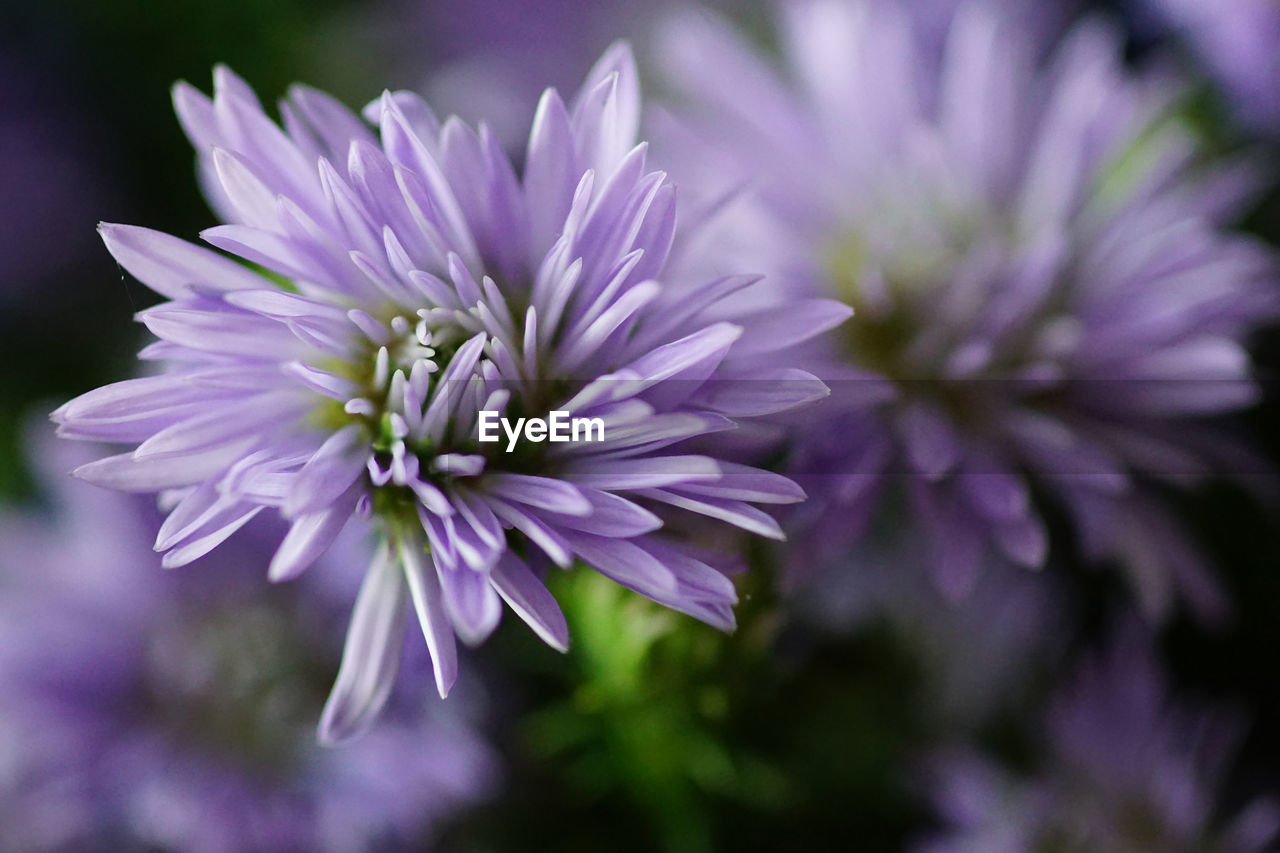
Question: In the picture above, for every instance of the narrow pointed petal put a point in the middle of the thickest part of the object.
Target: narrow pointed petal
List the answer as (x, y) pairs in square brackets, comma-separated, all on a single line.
[(308, 538), (370, 656), (170, 266), (540, 492), (529, 598), (424, 588), (330, 472), (473, 606)]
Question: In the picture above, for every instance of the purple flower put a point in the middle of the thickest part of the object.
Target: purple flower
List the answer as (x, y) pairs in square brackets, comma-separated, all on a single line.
[(412, 282), (1043, 290), (1125, 768), (176, 710)]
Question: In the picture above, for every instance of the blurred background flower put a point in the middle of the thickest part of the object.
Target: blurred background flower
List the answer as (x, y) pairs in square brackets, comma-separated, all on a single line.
[(1045, 294), (1119, 765), (178, 709)]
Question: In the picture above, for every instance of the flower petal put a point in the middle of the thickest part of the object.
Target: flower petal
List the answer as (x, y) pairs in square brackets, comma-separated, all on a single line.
[(371, 654)]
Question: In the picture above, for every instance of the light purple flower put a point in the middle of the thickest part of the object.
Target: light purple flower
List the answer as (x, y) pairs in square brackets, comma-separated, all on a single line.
[(413, 281), (1043, 289), (1125, 768), (176, 710)]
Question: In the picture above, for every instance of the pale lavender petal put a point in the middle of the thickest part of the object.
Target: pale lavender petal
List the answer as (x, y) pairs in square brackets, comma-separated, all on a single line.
[(424, 588), (610, 516), (650, 473), (626, 563), (550, 171), (127, 474), (309, 537), (170, 266), (473, 606), (742, 483), (737, 513), (540, 492), (766, 392), (607, 112), (779, 328), (542, 535), (531, 601), (212, 534), (371, 654), (329, 472)]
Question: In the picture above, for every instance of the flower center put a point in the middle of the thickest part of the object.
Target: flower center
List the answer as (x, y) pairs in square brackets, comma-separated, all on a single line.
[(940, 306), (412, 440), (882, 325)]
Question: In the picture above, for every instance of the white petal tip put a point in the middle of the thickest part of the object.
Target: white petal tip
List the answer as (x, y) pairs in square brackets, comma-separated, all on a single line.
[(331, 732), (171, 560), (89, 473)]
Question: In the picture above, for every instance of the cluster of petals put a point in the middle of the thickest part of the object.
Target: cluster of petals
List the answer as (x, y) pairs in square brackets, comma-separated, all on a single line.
[(1045, 287), (151, 708), (381, 282), (1127, 765)]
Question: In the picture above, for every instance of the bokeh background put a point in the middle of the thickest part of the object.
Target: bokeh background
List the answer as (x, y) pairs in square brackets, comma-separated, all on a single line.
[(840, 720)]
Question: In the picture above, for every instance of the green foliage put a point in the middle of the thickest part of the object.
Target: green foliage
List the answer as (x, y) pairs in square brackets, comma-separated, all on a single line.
[(658, 732)]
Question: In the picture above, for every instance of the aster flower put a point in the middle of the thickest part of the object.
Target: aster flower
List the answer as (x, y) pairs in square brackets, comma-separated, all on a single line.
[(1125, 768), (175, 710), (1045, 294), (410, 281)]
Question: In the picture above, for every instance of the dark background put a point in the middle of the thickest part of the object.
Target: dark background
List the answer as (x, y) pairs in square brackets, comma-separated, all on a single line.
[(87, 134)]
